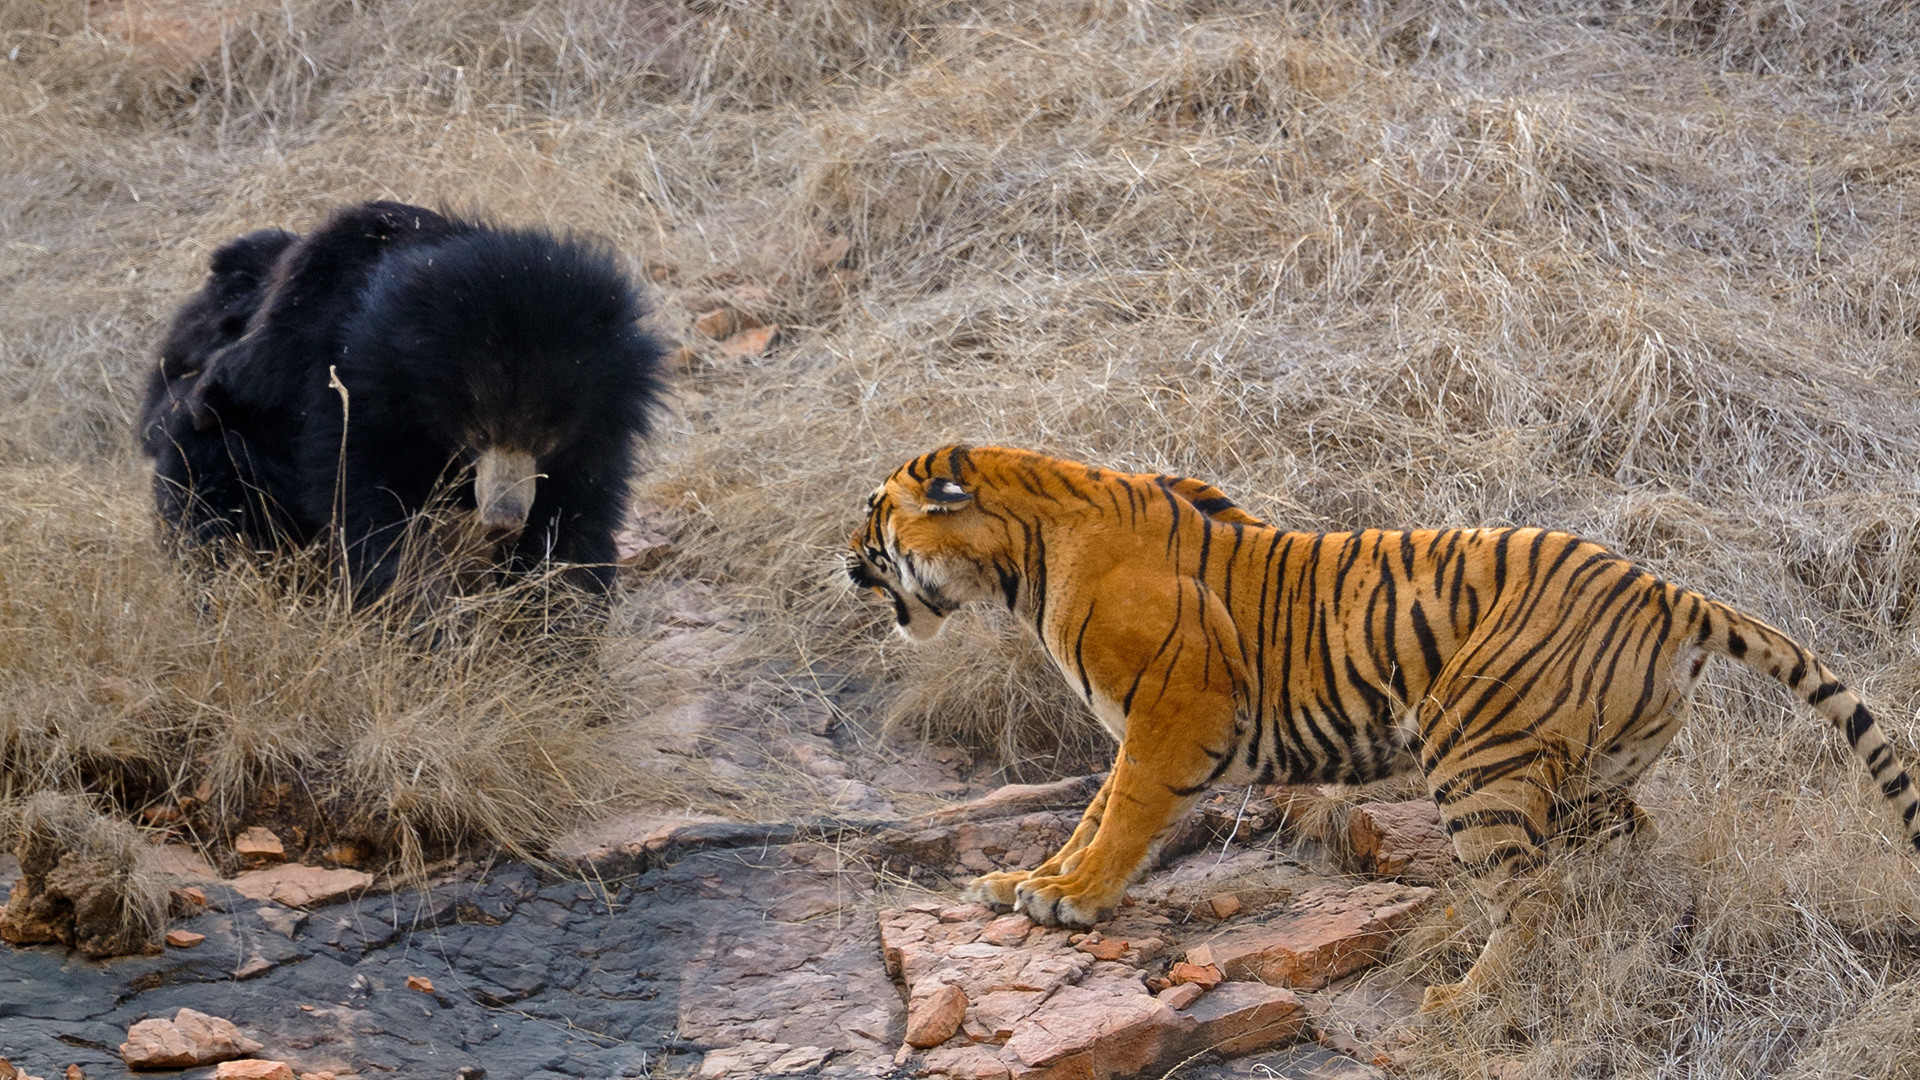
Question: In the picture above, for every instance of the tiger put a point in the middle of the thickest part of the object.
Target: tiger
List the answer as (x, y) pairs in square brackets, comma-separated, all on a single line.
[(1530, 675)]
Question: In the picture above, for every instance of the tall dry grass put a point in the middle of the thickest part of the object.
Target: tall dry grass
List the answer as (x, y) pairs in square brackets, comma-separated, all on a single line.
[(1644, 269), (203, 700)]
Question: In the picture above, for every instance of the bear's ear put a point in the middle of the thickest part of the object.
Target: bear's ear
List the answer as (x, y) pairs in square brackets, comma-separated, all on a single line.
[(944, 495)]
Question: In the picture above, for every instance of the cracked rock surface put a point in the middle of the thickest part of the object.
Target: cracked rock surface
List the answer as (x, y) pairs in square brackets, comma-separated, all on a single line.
[(530, 978)]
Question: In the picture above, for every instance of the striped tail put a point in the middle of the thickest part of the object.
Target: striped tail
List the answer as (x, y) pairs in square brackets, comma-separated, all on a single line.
[(1771, 652)]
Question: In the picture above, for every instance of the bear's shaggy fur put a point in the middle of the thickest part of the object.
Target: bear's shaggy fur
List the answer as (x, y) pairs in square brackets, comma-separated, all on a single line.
[(343, 379)]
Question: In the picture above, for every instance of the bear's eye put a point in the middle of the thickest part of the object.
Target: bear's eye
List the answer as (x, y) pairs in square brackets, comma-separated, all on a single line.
[(482, 441)]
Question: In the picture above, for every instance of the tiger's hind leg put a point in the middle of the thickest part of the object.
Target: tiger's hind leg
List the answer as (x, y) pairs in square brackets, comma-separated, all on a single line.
[(1499, 832), (997, 889), (1498, 808), (1604, 815)]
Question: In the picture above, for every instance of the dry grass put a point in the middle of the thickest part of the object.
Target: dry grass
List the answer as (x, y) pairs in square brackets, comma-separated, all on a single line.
[(1646, 270), (241, 697)]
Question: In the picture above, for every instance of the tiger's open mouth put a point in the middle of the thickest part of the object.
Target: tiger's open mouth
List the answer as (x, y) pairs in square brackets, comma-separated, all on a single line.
[(915, 616)]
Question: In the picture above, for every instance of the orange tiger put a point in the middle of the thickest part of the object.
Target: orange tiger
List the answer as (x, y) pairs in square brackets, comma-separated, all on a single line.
[(1530, 675)]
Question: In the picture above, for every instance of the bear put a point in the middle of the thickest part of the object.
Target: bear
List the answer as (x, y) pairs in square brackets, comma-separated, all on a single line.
[(334, 385)]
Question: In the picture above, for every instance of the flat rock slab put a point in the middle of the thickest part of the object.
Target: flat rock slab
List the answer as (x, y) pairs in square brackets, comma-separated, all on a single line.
[(1042, 1003), (1321, 935), (532, 978)]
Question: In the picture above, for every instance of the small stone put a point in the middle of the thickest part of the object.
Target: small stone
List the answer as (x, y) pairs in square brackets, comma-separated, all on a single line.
[(935, 1018), (254, 1069), (258, 846), (1205, 976), (1104, 949), (254, 967), (718, 323), (282, 921), (1007, 930), (187, 902), (184, 939), (75, 1072), (1179, 997), (190, 1038), (330, 1076), (420, 983), (1225, 906), (296, 885), (347, 853), (751, 342)]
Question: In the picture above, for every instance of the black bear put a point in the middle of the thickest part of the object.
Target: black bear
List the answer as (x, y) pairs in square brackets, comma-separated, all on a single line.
[(334, 383)]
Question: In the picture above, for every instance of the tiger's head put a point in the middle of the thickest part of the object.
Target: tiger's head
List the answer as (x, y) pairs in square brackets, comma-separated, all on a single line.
[(927, 546)]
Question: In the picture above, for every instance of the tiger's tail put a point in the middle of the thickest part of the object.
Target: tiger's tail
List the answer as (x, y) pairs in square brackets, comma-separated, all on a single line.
[(1768, 651)]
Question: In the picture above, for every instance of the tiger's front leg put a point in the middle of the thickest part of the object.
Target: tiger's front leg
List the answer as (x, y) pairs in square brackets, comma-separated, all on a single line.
[(1165, 681), (997, 889), (1092, 881)]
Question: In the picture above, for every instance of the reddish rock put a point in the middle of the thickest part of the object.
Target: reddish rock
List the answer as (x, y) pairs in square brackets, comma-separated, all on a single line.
[(1224, 906), (1007, 930), (718, 323), (190, 1038), (750, 342), (1402, 840), (259, 846), (296, 885), (1206, 976), (1103, 948), (75, 1072), (252, 968), (1241, 1017), (184, 939), (253, 1069), (187, 902), (420, 983), (1181, 996), (754, 1058), (997, 1011), (636, 548), (934, 1018), (1323, 935), (967, 1062), (1104, 1034)]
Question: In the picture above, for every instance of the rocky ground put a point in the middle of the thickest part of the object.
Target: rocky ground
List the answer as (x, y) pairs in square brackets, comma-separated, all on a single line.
[(719, 949)]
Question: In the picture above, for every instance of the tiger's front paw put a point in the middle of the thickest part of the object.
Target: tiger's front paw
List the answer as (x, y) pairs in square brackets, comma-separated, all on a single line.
[(996, 890), (1064, 901)]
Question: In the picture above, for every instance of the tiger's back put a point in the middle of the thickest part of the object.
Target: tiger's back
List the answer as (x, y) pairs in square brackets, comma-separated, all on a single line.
[(1531, 675)]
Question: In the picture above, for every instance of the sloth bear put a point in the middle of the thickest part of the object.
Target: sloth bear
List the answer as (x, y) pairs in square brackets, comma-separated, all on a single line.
[(336, 384)]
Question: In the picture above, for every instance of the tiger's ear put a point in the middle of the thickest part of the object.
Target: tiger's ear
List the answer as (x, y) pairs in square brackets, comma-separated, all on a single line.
[(943, 496)]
